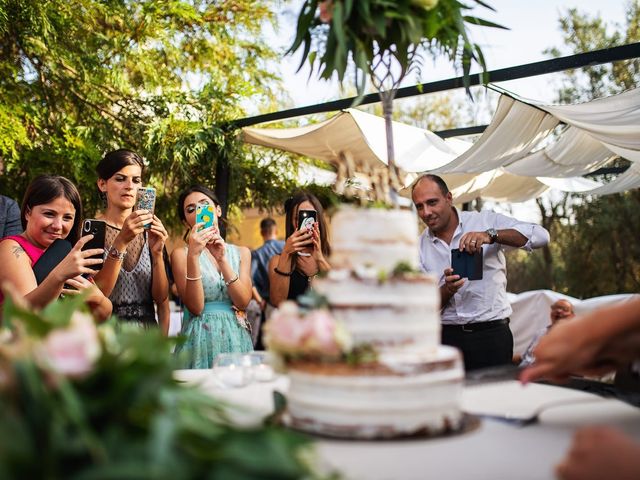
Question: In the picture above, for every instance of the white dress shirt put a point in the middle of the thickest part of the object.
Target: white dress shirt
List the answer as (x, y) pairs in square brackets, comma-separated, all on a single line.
[(478, 300)]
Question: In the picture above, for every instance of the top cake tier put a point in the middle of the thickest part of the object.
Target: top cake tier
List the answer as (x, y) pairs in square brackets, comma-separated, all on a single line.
[(373, 238)]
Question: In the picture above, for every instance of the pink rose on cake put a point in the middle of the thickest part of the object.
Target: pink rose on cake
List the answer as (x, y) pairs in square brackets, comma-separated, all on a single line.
[(314, 334), (285, 330), (324, 336)]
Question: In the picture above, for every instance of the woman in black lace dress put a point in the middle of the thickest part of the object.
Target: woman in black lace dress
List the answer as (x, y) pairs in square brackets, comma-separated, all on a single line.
[(134, 274)]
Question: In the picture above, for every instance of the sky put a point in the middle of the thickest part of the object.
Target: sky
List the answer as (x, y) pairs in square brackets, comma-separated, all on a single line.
[(533, 27)]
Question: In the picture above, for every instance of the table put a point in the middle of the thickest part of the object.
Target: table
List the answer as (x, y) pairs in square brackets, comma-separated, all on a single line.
[(495, 450)]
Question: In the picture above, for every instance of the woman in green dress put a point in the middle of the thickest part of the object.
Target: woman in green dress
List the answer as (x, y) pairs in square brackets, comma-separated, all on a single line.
[(214, 282)]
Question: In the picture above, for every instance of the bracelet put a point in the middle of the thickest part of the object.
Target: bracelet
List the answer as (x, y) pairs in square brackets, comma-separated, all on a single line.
[(234, 279), (280, 272), (115, 254), (193, 278)]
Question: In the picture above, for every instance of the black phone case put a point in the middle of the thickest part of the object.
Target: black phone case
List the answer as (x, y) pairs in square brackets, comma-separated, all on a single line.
[(99, 229), (50, 258), (467, 265)]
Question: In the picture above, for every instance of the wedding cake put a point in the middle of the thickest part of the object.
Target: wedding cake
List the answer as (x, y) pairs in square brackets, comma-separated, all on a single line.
[(413, 385)]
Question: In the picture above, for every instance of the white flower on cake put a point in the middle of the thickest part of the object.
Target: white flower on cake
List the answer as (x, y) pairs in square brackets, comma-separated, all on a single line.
[(292, 332)]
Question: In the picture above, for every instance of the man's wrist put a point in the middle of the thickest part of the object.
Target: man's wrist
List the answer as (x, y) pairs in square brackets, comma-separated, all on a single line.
[(492, 235)]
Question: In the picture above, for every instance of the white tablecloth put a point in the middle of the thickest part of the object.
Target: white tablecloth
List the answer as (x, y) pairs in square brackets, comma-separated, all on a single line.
[(495, 450)]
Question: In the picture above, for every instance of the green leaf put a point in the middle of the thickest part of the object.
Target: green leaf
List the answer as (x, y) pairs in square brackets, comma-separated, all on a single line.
[(483, 23)]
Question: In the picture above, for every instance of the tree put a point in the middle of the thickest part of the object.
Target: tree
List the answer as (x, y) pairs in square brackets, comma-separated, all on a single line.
[(80, 77), (590, 234)]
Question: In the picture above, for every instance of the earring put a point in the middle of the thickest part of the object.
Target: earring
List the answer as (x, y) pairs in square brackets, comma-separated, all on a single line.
[(103, 197)]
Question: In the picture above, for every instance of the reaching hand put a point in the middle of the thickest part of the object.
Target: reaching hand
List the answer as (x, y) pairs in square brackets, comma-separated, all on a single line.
[(565, 350), (77, 262), (600, 452), (157, 236), (198, 239), (472, 241), (297, 242), (134, 225), (217, 247), (79, 285), (317, 244), (452, 283)]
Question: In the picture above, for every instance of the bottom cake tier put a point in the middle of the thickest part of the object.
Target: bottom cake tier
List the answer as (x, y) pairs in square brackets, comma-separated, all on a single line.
[(399, 395)]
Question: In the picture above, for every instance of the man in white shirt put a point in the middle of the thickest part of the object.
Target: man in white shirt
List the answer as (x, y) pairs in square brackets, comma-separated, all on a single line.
[(475, 314)]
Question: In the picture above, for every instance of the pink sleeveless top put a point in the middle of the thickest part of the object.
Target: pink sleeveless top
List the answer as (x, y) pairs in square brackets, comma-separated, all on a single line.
[(31, 250)]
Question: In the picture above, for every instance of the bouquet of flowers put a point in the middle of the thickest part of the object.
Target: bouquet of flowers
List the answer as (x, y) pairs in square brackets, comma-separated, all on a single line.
[(84, 402)]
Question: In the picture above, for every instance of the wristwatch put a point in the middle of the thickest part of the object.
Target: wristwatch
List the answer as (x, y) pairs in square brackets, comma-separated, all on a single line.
[(493, 235), (115, 254)]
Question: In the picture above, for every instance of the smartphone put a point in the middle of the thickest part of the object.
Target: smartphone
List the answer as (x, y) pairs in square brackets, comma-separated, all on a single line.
[(467, 265), (146, 201), (51, 257), (97, 228), (306, 219), (205, 214)]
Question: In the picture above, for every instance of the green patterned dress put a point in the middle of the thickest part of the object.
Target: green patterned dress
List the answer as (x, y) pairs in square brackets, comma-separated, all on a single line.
[(216, 330)]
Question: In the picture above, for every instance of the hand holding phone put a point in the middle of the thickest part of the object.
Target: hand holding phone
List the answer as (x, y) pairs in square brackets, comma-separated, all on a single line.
[(146, 201), (206, 215)]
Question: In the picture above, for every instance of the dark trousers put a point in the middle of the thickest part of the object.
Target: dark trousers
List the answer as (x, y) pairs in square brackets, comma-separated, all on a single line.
[(483, 345)]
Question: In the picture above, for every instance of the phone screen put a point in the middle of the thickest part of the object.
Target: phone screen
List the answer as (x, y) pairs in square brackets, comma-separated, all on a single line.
[(306, 219), (205, 215)]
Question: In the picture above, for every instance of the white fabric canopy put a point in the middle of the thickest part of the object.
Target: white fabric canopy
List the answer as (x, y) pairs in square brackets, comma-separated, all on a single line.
[(614, 120), (519, 156), (574, 154), (514, 130), (364, 136)]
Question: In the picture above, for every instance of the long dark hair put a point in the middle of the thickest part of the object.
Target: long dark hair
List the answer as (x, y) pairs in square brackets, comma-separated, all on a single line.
[(45, 189), (222, 223), (290, 208), (115, 161)]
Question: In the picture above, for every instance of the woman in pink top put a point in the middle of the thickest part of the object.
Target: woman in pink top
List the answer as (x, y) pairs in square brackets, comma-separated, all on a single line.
[(51, 209)]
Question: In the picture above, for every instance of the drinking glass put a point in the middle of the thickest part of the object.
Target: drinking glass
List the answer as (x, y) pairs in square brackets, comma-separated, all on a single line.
[(261, 366), (233, 369)]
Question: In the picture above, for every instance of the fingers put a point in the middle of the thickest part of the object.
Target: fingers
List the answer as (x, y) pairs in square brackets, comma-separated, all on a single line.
[(81, 242), (137, 220), (452, 282), (303, 239), (472, 242), (79, 283), (93, 252), (540, 370)]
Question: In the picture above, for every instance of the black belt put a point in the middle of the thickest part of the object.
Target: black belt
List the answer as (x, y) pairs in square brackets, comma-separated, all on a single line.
[(476, 327)]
